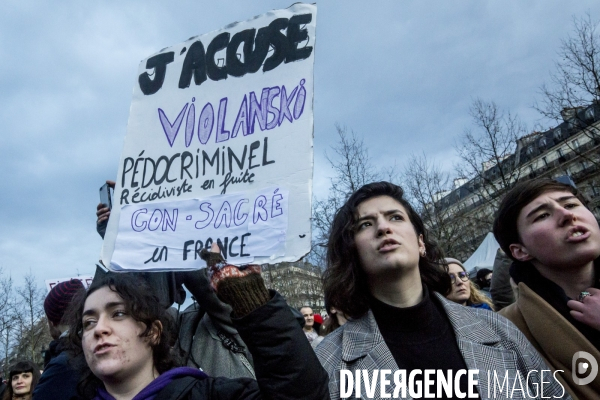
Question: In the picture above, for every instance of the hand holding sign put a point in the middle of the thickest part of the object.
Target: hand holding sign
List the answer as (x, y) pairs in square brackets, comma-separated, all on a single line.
[(241, 287), (103, 213)]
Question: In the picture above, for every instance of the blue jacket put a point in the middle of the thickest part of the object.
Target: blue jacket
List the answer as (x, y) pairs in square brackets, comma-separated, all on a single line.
[(480, 305)]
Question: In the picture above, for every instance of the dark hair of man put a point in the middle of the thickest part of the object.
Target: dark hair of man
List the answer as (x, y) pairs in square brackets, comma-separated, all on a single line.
[(18, 368), (480, 277), (344, 281), (505, 224), (143, 307)]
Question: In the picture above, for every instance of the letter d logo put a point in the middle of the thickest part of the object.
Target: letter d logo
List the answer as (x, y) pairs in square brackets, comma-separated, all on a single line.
[(580, 367)]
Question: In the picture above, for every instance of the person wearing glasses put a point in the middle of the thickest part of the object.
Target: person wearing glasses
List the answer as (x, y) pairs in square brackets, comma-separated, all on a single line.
[(463, 290)]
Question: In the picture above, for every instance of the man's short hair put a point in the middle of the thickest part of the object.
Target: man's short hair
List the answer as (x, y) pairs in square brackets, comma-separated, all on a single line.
[(505, 225), (483, 272)]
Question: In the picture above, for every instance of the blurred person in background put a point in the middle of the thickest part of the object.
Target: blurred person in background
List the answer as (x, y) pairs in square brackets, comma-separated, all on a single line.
[(309, 323), (22, 379), (483, 280), (464, 290), (59, 380), (501, 289)]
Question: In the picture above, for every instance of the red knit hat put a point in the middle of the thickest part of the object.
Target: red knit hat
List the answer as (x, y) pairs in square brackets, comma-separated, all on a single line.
[(59, 298), (318, 319)]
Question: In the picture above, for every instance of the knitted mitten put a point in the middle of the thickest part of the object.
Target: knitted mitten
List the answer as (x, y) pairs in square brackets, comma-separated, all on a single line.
[(241, 287)]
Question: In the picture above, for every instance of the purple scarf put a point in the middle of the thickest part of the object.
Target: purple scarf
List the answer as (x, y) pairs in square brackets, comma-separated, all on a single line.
[(150, 391)]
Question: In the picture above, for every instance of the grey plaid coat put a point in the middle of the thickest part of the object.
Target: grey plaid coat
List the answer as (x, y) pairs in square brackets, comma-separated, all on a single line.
[(487, 342)]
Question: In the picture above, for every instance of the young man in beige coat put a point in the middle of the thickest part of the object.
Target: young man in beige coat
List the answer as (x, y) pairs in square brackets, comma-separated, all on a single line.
[(554, 241)]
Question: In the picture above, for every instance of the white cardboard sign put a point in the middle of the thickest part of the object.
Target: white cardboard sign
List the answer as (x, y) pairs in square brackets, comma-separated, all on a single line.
[(219, 149)]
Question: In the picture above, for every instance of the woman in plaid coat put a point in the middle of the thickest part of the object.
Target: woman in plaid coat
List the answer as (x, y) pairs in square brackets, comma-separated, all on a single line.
[(386, 275)]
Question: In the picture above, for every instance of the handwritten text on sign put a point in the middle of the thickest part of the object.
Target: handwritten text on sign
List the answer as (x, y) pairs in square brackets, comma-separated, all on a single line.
[(227, 113), (244, 226)]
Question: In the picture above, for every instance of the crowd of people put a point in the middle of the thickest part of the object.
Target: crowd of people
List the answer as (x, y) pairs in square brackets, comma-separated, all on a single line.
[(393, 301)]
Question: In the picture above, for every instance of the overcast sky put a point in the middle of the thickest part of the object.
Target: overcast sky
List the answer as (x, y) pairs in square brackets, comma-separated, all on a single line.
[(401, 74)]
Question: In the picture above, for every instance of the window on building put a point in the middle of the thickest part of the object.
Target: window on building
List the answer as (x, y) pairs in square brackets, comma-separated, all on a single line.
[(560, 152), (545, 161), (542, 142), (584, 164), (589, 113), (576, 143), (557, 133)]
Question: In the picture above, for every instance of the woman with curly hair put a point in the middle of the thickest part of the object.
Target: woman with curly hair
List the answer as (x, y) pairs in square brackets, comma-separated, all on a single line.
[(122, 336), (388, 277), (464, 291), (22, 378)]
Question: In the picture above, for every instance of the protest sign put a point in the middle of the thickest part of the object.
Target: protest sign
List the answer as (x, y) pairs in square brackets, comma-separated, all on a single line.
[(219, 149), (86, 280)]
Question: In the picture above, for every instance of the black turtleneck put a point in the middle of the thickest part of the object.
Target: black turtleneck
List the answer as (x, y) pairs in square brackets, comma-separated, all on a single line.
[(555, 295), (420, 337)]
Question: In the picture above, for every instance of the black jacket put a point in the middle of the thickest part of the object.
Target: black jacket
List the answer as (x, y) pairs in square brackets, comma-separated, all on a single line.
[(286, 366), (59, 380)]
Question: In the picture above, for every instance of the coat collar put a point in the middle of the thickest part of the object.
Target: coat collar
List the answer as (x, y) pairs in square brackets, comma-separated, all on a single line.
[(467, 324), (361, 336)]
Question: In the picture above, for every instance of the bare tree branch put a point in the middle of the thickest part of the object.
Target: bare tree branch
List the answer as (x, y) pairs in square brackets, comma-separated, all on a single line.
[(575, 83), (485, 153), (33, 329), (353, 168), (8, 320)]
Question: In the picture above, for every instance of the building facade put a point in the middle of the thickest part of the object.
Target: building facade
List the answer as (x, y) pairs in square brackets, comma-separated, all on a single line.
[(299, 282), (570, 150)]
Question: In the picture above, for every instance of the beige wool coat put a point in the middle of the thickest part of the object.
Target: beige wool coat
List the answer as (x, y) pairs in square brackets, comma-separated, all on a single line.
[(555, 338)]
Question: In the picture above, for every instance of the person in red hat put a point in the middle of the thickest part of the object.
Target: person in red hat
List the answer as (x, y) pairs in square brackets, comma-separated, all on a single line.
[(318, 322), (59, 380)]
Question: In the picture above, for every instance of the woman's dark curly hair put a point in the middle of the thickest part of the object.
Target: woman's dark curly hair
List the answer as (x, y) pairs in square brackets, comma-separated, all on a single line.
[(18, 368), (344, 281), (143, 307)]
